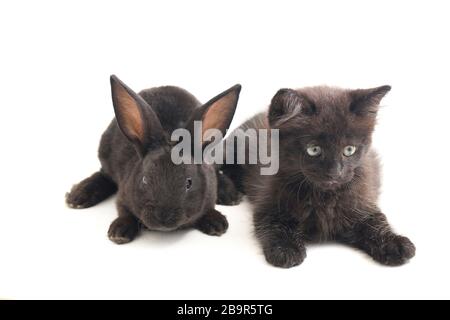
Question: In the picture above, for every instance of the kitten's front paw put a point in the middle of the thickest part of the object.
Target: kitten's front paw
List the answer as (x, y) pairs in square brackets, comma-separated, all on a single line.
[(284, 256), (395, 252), (213, 223), (123, 230)]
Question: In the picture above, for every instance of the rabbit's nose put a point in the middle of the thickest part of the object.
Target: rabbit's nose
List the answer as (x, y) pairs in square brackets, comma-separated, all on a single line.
[(168, 218)]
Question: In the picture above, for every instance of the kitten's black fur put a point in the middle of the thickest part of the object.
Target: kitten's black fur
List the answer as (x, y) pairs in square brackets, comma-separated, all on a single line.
[(325, 197), (135, 156)]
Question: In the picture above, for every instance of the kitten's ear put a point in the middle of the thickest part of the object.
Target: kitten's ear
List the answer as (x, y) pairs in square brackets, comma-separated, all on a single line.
[(366, 101), (136, 119), (286, 104)]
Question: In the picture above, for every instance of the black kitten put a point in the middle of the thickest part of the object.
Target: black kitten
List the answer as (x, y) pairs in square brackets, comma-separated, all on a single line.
[(328, 181)]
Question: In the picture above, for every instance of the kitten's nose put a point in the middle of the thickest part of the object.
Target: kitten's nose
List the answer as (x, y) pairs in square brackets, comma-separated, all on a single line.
[(335, 172)]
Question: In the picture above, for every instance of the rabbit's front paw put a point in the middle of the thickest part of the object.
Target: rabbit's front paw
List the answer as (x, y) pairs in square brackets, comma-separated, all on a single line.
[(227, 193), (79, 198), (90, 191), (123, 230), (284, 256), (213, 223), (229, 197), (395, 251)]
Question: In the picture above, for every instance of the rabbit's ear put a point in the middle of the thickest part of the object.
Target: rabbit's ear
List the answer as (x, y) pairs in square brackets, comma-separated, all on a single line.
[(217, 113), (136, 119)]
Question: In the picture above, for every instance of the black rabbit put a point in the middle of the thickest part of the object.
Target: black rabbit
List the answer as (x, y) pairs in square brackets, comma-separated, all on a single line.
[(135, 156)]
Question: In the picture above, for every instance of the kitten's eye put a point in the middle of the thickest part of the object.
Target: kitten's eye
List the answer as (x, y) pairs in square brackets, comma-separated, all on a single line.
[(349, 151), (314, 151), (188, 183), (144, 180)]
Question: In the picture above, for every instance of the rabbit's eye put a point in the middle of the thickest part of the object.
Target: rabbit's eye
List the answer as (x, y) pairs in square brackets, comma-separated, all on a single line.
[(188, 183), (144, 180)]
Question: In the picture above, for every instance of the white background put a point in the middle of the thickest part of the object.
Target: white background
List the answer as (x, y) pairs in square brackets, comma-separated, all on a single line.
[(55, 60)]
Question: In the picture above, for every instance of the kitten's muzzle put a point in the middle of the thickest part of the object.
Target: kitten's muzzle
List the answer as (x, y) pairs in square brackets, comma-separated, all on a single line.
[(335, 173)]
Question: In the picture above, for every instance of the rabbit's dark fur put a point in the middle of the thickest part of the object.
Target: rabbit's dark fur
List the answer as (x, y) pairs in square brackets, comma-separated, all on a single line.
[(135, 156), (327, 197)]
